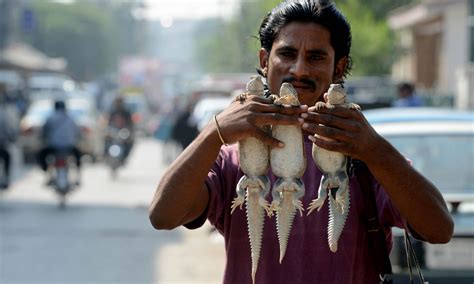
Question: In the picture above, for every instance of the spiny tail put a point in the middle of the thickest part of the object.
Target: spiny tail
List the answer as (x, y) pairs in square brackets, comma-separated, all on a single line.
[(336, 221), (285, 217), (255, 220)]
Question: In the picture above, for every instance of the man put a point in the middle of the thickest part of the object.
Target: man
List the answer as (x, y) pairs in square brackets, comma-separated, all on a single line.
[(407, 96), (9, 124), (306, 43), (119, 118), (184, 130), (60, 133)]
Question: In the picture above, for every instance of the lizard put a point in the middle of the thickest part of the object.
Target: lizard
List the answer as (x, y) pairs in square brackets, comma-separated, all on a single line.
[(288, 164), (335, 179), (254, 185)]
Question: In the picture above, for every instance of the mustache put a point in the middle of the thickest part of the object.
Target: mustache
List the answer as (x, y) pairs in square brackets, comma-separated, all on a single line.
[(310, 83)]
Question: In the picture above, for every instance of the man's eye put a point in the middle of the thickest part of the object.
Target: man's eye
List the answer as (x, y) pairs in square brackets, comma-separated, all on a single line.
[(286, 54), (315, 57)]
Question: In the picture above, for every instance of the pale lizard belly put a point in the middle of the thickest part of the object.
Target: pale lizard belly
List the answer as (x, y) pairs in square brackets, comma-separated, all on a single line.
[(289, 161), (328, 161), (253, 156)]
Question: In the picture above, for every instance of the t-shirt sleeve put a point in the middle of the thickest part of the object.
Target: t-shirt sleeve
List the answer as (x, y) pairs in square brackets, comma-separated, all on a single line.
[(219, 179)]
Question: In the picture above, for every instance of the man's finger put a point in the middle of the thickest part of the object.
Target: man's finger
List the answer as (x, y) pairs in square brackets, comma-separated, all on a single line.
[(267, 138)]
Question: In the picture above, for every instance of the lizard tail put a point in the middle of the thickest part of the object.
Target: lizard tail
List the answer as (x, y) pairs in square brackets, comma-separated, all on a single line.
[(337, 221), (285, 217), (255, 220)]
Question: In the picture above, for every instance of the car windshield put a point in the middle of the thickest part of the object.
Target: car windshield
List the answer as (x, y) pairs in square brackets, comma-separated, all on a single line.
[(445, 160)]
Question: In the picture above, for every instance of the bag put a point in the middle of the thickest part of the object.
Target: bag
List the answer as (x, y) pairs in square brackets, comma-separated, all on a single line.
[(377, 246)]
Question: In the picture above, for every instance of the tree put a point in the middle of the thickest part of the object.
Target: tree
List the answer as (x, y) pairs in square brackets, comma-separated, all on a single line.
[(90, 34), (372, 41), (232, 46)]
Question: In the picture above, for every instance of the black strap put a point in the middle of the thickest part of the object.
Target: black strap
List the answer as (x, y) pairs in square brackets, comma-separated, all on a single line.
[(377, 246)]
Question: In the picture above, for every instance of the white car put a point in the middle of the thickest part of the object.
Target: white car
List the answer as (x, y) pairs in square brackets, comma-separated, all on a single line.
[(83, 112), (440, 143), (206, 108)]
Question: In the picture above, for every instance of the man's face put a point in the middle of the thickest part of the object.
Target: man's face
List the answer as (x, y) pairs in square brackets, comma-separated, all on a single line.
[(302, 55)]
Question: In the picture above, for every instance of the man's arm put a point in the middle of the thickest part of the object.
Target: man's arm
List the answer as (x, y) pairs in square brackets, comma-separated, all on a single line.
[(181, 195), (417, 199)]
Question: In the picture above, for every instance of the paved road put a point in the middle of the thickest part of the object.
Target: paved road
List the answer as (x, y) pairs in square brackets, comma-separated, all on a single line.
[(103, 235)]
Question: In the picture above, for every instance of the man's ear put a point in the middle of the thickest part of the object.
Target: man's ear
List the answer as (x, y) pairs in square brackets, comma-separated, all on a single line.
[(339, 69), (263, 56)]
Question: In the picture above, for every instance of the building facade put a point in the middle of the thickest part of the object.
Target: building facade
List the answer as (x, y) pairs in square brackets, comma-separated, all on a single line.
[(436, 48)]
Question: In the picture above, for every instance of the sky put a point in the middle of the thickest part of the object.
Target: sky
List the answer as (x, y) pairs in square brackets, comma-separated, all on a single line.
[(169, 10)]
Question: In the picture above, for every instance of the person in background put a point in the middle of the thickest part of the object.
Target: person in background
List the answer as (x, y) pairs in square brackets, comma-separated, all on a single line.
[(407, 96), (60, 133), (184, 129), (120, 117), (9, 126), (306, 43)]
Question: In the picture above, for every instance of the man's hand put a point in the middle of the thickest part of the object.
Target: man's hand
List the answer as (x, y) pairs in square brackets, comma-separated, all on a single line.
[(347, 130), (245, 118)]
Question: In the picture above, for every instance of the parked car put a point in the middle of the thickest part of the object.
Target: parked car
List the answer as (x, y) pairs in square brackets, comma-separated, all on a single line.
[(12, 79), (371, 91), (83, 112), (440, 143), (206, 108), (41, 81)]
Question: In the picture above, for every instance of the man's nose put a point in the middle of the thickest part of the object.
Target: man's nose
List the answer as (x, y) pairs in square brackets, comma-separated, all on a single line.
[(299, 68)]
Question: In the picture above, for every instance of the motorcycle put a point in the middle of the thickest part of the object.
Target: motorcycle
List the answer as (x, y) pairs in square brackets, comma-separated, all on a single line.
[(116, 151), (3, 170), (61, 164), (3, 176)]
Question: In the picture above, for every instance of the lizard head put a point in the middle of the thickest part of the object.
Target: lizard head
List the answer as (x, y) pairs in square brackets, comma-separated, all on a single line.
[(255, 85), (288, 95), (336, 94)]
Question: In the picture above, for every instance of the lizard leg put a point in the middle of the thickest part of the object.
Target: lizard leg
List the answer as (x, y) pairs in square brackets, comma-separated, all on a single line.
[(322, 195), (276, 195), (265, 186), (354, 106), (342, 192), (241, 190), (298, 193)]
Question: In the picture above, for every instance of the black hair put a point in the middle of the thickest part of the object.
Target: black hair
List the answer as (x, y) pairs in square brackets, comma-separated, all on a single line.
[(406, 87), (322, 12), (59, 105)]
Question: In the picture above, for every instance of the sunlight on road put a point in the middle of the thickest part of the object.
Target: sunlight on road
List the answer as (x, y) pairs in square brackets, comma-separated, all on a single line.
[(111, 217), (199, 258)]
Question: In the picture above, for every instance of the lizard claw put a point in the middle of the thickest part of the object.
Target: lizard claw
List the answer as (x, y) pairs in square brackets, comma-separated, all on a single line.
[(299, 205), (275, 207), (237, 202), (320, 105), (265, 205), (315, 204)]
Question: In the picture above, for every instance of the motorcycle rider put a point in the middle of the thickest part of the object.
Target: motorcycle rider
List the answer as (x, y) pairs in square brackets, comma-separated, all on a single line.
[(9, 122), (120, 118), (60, 133)]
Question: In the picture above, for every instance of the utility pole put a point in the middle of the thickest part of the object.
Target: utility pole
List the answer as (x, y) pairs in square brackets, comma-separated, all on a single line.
[(471, 30), (5, 22)]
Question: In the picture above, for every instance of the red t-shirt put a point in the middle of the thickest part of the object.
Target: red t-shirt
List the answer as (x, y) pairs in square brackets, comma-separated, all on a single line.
[(308, 258)]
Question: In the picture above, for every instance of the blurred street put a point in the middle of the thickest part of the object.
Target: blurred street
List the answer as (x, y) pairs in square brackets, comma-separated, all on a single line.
[(103, 235), (93, 77)]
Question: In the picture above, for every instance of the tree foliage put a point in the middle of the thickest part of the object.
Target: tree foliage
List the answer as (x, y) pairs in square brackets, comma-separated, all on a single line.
[(233, 45), (89, 34)]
